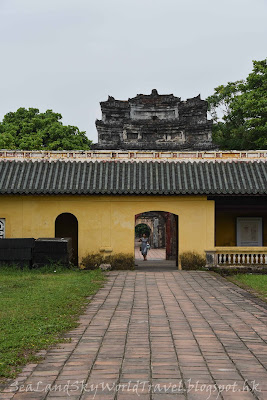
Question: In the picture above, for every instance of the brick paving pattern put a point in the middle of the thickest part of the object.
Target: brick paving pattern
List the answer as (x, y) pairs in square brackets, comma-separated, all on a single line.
[(189, 329), (153, 254)]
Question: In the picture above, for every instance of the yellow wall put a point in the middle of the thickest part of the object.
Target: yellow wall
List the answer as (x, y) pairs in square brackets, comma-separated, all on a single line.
[(226, 227), (225, 230), (107, 222)]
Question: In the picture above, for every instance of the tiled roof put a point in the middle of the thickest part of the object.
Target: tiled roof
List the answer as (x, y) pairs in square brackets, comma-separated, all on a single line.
[(138, 178)]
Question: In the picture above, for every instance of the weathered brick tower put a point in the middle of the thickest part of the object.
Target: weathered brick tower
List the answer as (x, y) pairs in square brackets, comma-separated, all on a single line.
[(154, 122)]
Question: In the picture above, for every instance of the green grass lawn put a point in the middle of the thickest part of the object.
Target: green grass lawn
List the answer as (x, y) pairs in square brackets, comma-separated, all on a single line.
[(253, 282), (36, 307)]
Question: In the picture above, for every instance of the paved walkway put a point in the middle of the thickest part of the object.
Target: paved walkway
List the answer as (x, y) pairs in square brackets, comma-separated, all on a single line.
[(152, 254), (188, 334), (155, 265)]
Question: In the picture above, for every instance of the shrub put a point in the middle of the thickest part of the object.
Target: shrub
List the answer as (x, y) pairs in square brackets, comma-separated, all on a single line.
[(119, 261), (93, 261), (192, 261)]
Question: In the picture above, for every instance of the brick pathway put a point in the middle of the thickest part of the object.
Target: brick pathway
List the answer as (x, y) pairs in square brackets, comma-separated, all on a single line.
[(188, 329), (153, 254)]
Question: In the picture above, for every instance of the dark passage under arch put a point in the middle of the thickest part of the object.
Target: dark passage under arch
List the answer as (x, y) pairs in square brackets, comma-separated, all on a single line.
[(66, 225)]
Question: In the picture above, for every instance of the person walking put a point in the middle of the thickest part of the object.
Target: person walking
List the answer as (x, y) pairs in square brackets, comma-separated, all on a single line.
[(144, 246)]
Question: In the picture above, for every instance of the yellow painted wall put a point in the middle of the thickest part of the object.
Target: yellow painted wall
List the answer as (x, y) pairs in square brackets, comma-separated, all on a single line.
[(107, 222), (225, 230), (226, 227)]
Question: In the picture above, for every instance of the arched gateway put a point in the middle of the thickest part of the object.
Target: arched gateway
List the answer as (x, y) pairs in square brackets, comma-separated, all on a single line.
[(163, 238)]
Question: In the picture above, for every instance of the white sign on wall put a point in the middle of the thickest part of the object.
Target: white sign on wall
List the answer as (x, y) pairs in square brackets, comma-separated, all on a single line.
[(249, 231), (2, 228)]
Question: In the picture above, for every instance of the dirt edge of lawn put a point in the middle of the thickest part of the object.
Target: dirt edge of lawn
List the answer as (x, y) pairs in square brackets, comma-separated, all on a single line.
[(247, 288), (247, 291)]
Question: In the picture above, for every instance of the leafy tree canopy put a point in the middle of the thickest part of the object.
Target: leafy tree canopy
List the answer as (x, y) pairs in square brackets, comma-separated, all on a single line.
[(140, 229), (243, 105), (31, 130)]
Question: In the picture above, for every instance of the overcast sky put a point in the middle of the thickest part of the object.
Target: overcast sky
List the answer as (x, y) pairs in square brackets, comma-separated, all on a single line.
[(68, 55)]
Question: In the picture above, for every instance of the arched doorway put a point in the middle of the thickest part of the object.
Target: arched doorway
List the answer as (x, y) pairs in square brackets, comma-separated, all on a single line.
[(163, 237), (66, 225)]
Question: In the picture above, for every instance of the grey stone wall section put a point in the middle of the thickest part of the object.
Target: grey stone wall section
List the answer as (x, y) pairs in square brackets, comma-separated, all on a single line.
[(160, 122)]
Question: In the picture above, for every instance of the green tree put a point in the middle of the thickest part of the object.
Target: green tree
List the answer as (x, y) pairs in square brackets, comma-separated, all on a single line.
[(243, 106), (140, 229), (31, 130)]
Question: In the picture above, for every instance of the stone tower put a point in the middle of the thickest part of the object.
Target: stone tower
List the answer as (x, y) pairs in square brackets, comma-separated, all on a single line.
[(160, 122)]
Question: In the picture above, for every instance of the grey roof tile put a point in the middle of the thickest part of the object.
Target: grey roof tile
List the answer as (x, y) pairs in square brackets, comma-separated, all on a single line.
[(149, 177)]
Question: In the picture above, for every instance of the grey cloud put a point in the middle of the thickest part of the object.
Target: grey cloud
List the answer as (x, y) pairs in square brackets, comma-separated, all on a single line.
[(70, 54)]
